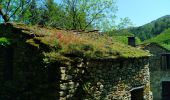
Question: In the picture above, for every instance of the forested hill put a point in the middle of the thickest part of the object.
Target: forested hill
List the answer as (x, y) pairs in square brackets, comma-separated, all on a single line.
[(151, 29)]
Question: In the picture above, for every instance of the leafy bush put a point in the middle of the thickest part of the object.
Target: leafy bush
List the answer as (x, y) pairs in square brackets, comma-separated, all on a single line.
[(4, 41)]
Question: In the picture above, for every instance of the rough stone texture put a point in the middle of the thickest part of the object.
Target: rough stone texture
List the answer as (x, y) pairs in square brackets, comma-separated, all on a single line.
[(23, 75), (155, 59), (81, 79), (156, 73), (105, 79)]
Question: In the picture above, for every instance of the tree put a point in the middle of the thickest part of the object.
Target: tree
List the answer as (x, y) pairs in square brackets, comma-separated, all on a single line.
[(33, 13), (124, 23), (86, 13), (51, 14), (12, 9)]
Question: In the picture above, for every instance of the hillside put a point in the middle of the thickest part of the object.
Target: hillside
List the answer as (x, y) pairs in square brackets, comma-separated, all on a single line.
[(162, 39), (151, 29)]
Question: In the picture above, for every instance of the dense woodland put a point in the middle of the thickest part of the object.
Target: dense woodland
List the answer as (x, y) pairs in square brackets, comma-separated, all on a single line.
[(151, 29)]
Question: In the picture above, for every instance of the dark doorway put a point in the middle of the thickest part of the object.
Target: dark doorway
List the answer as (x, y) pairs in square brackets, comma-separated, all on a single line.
[(6, 62), (137, 94), (166, 90)]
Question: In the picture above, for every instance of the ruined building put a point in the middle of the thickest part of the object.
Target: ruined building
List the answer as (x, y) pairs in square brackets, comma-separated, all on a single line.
[(30, 69), (159, 70)]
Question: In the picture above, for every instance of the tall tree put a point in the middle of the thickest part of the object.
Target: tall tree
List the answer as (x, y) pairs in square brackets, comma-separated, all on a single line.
[(51, 14), (33, 13), (85, 13), (124, 23), (12, 9)]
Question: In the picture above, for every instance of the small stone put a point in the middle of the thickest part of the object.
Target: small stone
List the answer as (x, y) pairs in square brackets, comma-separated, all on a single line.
[(63, 70), (80, 65), (69, 96), (71, 85), (63, 98), (72, 91), (63, 77), (62, 94), (101, 87), (69, 77), (63, 86)]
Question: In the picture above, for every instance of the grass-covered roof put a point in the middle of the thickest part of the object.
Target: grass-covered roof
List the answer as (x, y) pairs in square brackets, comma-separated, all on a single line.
[(92, 45)]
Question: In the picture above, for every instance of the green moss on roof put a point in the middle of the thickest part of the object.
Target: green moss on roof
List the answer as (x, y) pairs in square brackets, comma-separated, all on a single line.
[(91, 45), (124, 39), (162, 39)]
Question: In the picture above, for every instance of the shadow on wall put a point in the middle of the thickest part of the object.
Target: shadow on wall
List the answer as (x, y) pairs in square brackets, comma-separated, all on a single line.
[(23, 75)]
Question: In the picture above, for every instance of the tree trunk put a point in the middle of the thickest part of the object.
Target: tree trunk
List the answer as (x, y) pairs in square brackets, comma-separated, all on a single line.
[(4, 16)]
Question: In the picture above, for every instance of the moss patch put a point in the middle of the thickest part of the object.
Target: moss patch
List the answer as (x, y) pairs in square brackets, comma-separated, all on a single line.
[(162, 39), (90, 45), (4, 41)]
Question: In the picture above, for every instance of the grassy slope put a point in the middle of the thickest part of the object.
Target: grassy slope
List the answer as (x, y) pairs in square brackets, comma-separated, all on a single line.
[(85, 44), (163, 39)]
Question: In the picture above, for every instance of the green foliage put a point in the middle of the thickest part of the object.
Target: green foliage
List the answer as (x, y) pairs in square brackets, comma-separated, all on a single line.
[(151, 29), (82, 14), (33, 13), (122, 36), (124, 39), (4, 41), (51, 14), (161, 39), (14, 9), (69, 14), (124, 23)]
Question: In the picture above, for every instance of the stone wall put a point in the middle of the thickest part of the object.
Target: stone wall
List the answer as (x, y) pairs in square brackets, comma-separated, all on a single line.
[(156, 73), (155, 59), (27, 77), (23, 74), (105, 79), (156, 83), (79, 79)]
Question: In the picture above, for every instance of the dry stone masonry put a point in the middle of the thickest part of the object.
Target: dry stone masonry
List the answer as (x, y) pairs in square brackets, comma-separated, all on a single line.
[(159, 70), (28, 77), (105, 79)]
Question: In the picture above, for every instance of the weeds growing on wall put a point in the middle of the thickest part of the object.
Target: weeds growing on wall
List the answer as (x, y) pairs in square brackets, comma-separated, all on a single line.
[(4, 41), (84, 44)]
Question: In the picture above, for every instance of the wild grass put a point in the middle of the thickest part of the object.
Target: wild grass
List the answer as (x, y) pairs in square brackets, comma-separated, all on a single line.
[(91, 45), (163, 39), (124, 39)]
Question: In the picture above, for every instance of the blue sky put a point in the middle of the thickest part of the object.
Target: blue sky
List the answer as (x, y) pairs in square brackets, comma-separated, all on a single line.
[(142, 11)]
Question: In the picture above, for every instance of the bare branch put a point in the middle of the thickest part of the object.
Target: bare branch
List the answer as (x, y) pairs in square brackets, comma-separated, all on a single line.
[(22, 10), (8, 4), (94, 17), (4, 16)]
